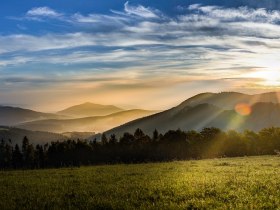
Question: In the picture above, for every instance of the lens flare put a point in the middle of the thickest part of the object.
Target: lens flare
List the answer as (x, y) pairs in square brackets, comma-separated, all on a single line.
[(243, 109)]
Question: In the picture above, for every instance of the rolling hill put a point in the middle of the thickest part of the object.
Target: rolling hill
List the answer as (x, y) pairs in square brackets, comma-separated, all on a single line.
[(228, 100), (211, 109), (16, 135), (14, 115), (89, 109), (78, 135), (88, 124)]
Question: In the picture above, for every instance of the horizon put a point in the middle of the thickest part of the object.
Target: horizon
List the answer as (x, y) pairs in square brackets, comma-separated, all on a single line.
[(135, 54), (131, 107)]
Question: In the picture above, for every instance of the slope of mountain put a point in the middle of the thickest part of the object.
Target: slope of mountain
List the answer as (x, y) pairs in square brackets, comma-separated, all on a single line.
[(78, 135), (90, 109), (88, 124), (16, 135), (189, 117), (209, 109), (13, 115), (228, 100)]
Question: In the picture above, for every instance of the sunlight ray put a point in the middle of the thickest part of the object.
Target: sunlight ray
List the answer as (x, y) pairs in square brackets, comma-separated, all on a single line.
[(236, 122), (208, 119)]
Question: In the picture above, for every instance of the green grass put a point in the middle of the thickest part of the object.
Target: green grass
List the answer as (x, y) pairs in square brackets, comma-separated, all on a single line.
[(237, 183)]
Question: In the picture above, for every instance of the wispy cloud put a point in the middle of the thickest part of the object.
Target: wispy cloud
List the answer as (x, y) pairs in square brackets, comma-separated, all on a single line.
[(202, 45), (43, 12), (140, 11), (202, 29), (236, 14), (97, 18)]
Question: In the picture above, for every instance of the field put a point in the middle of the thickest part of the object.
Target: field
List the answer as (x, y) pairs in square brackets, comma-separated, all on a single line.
[(230, 183)]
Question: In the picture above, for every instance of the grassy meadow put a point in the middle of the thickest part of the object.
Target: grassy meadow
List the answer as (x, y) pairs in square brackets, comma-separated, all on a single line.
[(229, 183)]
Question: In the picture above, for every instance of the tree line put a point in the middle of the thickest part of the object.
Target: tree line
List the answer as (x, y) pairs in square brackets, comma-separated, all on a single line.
[(139, 147)]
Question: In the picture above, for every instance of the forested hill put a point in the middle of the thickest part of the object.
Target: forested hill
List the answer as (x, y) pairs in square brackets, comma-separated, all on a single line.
[(212, 110), (16, 135), (13, 115)]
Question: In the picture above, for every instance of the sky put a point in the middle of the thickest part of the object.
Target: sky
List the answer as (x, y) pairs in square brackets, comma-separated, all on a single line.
[(135, 54)]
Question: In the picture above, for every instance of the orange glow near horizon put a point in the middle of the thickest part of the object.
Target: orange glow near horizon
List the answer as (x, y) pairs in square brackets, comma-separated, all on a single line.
[(243, 109)]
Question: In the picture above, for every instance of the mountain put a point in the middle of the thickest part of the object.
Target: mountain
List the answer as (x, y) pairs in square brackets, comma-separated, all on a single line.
[(13, 115), (211, 109), (228, 100), (16, 135), (87, 124), (78, 135), (89, 109)]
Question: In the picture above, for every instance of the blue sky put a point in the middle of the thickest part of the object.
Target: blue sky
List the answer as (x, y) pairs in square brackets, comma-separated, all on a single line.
[(150, 54)]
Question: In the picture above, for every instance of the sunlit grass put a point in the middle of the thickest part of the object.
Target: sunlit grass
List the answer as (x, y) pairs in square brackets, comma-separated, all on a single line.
[(237, 183)]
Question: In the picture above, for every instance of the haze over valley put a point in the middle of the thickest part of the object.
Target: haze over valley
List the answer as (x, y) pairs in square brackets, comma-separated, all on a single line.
[(78, 121), (225, 110)]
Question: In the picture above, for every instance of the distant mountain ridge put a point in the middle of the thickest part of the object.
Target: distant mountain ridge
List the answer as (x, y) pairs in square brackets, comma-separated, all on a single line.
[(13, 115), (87, 124), (211, 110), (90, 109), (35, 137), (197, 112), (83, 118)]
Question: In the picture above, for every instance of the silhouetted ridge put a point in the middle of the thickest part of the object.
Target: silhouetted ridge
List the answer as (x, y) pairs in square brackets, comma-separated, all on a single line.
[(13, 115), (86, 124), (211, 110), (35, 137), (90, 109)]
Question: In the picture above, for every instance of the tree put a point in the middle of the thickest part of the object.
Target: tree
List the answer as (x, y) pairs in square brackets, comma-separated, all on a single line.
[(210, 133), (28, 153), (17, 157), (113, 140), (104, 139), (8, 155), (39, 157), (25, 144), (127, 139), (6, 152), (2, 153), (138, 134), (155, 135), (269, 138)]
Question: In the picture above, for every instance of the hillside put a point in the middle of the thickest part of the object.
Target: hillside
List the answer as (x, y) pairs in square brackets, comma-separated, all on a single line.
[(13, 115), (78, 135), (207, 110), (88, 124), (89, 109), (35, 137), (228, 100)]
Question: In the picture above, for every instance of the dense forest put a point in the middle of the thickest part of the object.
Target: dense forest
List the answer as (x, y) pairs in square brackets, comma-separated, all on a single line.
[(139, 147)]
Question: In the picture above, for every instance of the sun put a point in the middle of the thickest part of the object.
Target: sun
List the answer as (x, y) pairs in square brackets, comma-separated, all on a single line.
[(271, 78), (268, 72), (268, 77)]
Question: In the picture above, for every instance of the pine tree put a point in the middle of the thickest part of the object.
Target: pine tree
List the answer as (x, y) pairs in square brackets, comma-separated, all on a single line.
[(17, 157), (138, 134), (113, 140), (104, 140), (155, 135), (2, 153)]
